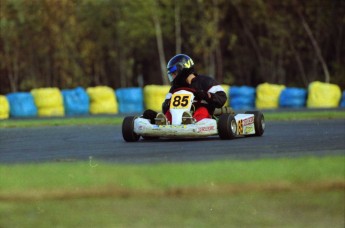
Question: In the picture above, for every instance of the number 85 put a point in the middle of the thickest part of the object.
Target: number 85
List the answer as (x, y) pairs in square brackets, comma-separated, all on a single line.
[(180, 100)]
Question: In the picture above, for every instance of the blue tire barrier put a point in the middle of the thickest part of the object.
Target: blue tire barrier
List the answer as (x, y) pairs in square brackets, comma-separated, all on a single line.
[(76, 101), (130, 100), (293, 97), (22, 104), (342, 102), (242, 97)]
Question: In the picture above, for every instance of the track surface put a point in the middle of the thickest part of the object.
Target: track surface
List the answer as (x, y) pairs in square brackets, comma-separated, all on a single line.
[(71, 143)]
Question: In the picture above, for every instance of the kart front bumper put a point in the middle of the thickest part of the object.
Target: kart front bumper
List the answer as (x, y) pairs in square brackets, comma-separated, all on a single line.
[(205, 127)]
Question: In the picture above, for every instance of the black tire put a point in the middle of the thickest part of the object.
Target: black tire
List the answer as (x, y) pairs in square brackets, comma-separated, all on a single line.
[(128, 133), (259, 122), (227, 126)]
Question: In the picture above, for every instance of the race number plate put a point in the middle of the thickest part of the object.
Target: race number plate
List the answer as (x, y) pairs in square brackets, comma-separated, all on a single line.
[(180, 101)]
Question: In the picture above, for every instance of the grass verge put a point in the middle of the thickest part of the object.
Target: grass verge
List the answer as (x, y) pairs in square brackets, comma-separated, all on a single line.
[(116, 120), (212, 176), (300, 192), (68, 121), (284, 209)]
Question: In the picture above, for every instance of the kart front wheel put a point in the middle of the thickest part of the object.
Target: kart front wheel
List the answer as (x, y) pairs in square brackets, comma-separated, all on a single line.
[(128, 133), (227, 126), (259, 122)]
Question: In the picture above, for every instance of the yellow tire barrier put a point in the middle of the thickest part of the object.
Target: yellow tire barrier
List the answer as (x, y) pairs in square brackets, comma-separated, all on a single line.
[(49, 102), (267, 95), (102, 100), (4, 108), (154, 96), (226, 89), (323, 95)]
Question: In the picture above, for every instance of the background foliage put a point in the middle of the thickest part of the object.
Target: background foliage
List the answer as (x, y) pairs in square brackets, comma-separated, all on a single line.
[(69, 43)]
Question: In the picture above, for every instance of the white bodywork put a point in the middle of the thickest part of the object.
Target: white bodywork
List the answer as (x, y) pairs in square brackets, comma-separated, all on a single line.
[(183, 104), (205, 127), (245, 124)]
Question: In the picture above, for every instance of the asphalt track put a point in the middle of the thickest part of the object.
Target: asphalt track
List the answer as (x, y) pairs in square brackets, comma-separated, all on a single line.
[(90, 143)]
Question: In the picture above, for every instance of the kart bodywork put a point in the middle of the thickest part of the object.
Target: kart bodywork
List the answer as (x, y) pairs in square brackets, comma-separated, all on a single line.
[(224, 123)]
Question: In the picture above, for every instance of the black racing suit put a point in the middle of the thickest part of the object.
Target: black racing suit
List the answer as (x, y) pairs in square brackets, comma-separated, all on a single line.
[(205, 83)]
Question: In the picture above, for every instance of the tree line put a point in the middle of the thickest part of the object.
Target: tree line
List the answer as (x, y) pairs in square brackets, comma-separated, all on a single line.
[(69, 43)]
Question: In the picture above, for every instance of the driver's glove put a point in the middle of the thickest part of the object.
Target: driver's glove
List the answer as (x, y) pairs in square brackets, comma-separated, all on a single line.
[(201, 95)]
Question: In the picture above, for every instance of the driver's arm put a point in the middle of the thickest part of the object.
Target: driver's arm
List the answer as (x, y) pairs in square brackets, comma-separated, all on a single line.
[(218, 98)]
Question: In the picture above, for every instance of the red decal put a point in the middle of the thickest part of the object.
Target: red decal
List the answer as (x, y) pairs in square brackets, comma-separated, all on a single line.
[(203, 129), (248, 121)]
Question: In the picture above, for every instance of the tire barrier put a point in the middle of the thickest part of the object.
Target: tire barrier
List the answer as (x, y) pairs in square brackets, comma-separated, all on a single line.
[(293, 98), (154, 96), (4, 108), (102, 100), (22, 104), (105, 100), (226, 89), (342, 103), (48, 101), (267, 95), (323, 95), (242, 97), (130, 100), (76, 101)]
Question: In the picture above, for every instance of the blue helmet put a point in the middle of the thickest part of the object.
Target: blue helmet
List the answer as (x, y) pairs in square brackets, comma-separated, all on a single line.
[(181, 64)]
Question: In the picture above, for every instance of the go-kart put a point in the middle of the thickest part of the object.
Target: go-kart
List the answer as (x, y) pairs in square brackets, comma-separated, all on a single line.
[(224, 123)]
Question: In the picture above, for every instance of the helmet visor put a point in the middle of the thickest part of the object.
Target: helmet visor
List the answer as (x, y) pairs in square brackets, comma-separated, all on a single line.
[(171, 73)]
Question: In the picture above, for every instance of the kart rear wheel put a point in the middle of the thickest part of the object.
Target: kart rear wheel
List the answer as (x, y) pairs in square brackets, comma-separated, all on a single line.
[(128, 133), (227, 126), (259, 122)]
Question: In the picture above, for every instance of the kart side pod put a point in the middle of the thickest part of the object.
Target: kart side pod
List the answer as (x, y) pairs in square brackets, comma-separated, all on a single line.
[(249, 123)]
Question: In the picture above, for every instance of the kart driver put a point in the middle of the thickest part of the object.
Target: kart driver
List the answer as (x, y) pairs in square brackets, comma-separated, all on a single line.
[(207, 91)]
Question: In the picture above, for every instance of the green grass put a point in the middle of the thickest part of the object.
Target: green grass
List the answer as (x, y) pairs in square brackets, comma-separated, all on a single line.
[(289, 209), (312, 115), (52, 176), (116, 120), (300, 192), (55, 121)]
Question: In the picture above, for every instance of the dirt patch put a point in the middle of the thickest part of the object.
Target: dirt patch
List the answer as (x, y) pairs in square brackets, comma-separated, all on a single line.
[(116, 192)]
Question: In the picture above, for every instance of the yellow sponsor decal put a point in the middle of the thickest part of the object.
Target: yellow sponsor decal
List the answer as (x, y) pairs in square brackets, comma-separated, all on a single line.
[(249, 129), (240, 127)]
